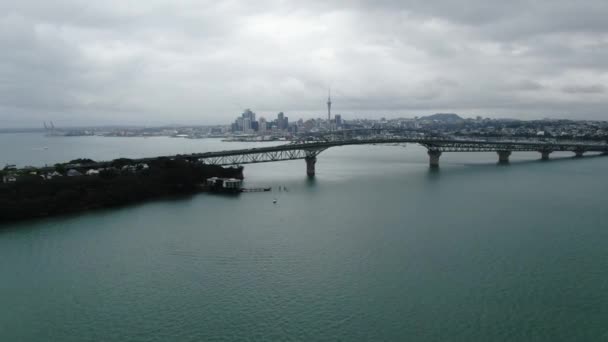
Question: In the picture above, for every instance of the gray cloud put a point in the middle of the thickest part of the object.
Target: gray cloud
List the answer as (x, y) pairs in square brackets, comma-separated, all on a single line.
[(524, 85), (584, 89), (190, 61)]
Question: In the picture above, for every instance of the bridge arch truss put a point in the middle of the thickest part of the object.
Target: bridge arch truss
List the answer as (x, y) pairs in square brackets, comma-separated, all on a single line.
[(253, 157)]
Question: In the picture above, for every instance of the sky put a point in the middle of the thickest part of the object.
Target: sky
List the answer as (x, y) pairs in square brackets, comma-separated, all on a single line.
[(159, 62)]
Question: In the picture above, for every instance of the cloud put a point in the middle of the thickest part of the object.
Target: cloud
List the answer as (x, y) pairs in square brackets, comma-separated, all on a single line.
[(524, 85), (584, 89), (190, 61)]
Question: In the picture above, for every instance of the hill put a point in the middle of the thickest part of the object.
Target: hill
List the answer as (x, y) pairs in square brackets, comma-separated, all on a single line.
[(444, 117)]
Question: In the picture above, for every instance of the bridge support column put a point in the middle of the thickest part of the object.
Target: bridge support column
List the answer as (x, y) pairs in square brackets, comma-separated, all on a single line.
[(434, 158), (544, 155), (503, 156), (579, 153), (310, 165)]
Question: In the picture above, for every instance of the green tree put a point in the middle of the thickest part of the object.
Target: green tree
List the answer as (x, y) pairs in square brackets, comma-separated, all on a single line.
[(60, 168)]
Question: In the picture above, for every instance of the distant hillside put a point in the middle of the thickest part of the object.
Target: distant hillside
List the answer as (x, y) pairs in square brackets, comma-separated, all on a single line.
[(445, 117)]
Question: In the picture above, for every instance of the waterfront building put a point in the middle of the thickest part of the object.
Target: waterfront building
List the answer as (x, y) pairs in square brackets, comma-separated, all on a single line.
[(246, 125), (9, 179), (238, 125), (224, 184), (262, 125), (73, 173)]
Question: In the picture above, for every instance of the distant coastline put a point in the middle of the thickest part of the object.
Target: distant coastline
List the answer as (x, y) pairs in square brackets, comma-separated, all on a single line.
[(249, 129)]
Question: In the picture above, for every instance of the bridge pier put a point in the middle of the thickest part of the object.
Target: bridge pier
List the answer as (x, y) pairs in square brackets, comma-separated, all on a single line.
[(579, 153), (544, 155), (310, 165), (503, 156), (434, 158)]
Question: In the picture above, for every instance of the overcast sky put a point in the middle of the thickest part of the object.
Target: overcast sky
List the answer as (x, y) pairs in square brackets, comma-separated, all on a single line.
[(202, 62)]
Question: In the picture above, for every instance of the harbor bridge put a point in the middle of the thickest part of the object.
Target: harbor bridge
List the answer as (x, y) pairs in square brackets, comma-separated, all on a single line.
[(310, 146)]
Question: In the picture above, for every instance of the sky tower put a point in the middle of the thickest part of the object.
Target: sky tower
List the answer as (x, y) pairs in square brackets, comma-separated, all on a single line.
[(329, 107)]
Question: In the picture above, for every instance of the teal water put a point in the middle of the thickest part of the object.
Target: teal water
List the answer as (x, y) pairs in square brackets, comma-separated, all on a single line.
[(377, 247)]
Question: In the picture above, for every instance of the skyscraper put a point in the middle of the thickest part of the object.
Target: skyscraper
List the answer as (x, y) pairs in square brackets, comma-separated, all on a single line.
[(246, 125), (248, 114), (246, 122), (263, 127), (282, 121)]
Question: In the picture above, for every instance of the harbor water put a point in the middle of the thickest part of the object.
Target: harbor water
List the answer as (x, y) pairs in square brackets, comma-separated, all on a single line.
[(376, 247)]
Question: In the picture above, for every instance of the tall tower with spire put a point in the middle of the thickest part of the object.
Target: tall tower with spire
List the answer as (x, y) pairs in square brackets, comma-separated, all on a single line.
[(329, 107)]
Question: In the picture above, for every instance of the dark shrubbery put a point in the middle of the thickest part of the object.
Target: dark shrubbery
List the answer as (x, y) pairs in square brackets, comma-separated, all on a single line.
[(32, 196)]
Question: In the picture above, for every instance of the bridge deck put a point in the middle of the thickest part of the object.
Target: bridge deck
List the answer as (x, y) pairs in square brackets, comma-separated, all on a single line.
[(311, 149), (302, 150)]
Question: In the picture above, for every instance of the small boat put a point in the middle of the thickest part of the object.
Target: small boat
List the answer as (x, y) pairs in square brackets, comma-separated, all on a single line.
[(274, 200)]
